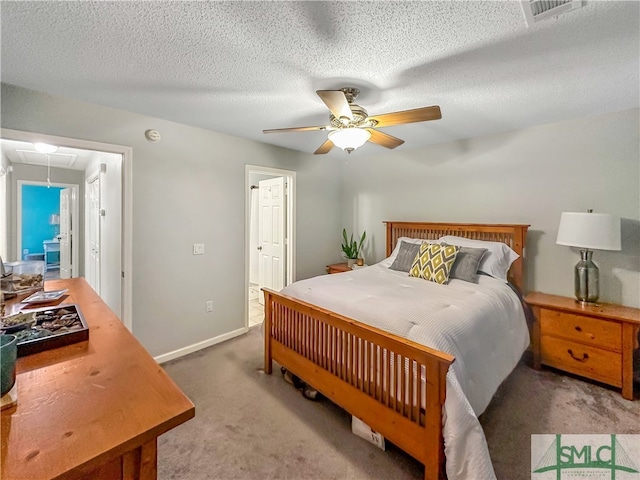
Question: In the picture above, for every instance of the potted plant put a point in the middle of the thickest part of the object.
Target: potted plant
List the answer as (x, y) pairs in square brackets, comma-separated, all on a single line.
[(351, 248)]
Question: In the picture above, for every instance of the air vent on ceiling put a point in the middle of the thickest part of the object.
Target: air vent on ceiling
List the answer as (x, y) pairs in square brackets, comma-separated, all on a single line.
[(536, 10)]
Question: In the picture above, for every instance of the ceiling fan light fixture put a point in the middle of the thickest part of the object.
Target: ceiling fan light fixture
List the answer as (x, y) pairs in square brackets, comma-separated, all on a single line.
[(44, 147), (349, 139), (351, 126)]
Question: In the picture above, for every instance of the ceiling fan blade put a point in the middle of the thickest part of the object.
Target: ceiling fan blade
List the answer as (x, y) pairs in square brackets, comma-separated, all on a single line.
[(324, 148), (337, 103), (407, 116), (295, 129), (384, 139)]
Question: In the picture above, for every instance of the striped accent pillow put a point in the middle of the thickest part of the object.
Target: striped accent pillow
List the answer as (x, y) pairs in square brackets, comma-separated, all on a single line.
[(433, 262)]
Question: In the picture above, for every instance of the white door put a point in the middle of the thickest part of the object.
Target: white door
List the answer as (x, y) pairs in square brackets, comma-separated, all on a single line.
[(271, 240), (93, 218), (66, 234)]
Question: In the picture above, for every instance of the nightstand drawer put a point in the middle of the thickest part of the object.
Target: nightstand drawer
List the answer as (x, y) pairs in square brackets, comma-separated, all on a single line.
[(602, 365), (583, 329)]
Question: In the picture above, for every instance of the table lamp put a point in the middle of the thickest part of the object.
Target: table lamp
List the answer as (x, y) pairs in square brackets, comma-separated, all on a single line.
[(54, 219), (587, 231)]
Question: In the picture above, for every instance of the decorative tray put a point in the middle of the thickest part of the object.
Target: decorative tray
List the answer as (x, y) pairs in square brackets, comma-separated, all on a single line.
[(45, 297), (45, 328)]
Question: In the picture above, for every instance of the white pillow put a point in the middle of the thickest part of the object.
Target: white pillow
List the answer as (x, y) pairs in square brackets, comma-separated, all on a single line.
[(495, 262)]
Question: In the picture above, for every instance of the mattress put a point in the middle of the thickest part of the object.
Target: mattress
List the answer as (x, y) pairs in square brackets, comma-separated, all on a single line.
[(482, 325)]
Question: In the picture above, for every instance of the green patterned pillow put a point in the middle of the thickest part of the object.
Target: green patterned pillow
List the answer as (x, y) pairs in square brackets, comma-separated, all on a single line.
[(433, 262)]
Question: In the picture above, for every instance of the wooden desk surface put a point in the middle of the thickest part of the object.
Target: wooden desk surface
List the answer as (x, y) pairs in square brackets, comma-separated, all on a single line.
[(89, 403)]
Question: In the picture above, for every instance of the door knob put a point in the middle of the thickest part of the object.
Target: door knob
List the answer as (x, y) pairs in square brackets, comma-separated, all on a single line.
[(260, 248)]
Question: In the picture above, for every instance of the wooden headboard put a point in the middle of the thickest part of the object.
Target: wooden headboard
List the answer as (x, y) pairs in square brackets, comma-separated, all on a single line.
[(513, 235)]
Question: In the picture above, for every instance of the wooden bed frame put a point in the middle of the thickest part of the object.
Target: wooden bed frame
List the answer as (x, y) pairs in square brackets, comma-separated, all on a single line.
[(357, 366)]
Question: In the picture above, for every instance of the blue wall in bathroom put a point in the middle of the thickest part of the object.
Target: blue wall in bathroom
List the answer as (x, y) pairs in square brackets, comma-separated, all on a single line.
[(38, 204)]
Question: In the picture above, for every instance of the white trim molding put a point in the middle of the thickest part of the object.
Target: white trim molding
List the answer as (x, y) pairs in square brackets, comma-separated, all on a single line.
[(181, 352)]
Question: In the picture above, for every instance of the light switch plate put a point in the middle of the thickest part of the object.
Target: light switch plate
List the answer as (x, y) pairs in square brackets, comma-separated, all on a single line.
[(198, 248)]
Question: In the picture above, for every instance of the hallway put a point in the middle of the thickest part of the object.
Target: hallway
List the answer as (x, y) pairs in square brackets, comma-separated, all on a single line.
[(256, 311)]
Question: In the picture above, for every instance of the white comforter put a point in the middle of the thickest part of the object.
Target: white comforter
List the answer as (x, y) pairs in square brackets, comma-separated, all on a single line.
[(482, 324)]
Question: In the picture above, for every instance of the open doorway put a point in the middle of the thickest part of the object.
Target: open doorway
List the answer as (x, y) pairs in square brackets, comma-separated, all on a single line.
[(269, 242), (111, 164), (41, 235)]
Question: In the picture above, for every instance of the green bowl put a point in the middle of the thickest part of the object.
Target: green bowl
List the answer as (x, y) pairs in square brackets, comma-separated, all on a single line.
[(8, 355)]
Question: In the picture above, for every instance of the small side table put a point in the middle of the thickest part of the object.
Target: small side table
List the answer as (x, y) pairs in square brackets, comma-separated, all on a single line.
[(49, 247), (595, 341), (338, 268)]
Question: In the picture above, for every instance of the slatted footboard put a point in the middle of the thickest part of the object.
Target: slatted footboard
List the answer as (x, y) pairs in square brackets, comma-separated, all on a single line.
[(394, 385)]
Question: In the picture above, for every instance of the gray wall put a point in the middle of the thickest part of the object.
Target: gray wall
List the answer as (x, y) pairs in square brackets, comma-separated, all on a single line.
[(526, 176), (189, 188)]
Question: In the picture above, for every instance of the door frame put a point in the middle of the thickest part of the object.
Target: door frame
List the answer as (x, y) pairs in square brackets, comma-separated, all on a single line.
[(289, 227), (75, 188), (126, 244), (95, 281)]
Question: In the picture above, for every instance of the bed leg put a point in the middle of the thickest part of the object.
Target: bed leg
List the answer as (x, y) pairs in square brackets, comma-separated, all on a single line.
[(268, 361), (435, 462), (439, 470), (436, 470)]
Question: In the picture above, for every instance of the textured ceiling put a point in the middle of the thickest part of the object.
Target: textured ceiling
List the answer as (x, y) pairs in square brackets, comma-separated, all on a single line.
[(240, 67)]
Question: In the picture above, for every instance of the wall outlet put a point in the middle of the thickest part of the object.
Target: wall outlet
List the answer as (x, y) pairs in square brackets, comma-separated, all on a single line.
[(25, 251), (198, 248), (209, 306)]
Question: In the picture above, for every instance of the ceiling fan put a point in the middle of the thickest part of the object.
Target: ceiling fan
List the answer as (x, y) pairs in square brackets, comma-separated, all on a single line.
[(350, 126)]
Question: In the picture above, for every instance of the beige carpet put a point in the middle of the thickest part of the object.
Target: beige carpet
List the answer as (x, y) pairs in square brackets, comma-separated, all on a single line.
[(249, 425)]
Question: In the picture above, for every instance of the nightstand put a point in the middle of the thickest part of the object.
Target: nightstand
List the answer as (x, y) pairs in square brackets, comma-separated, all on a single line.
[(338, 268), (594, 341)]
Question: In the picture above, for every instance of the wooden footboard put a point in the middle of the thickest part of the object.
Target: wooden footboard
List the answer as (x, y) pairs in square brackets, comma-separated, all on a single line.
[(396, 386)]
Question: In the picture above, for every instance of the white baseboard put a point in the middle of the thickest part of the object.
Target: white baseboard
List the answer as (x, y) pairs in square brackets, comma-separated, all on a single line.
[(181, 352)]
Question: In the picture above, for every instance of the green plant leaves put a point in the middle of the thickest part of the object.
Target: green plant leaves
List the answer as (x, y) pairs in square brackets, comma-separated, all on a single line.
[(350, 247)]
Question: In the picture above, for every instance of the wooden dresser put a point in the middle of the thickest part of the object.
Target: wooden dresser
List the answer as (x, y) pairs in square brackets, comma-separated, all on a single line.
[(594, 341), (92, 409)]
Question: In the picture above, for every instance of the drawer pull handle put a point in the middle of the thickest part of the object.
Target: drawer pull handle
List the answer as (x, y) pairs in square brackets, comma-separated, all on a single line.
[(578, 329), (585, 356)]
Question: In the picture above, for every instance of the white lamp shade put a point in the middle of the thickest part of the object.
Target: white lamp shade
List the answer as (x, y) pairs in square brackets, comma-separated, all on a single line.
[(349, 137), (597, 231)]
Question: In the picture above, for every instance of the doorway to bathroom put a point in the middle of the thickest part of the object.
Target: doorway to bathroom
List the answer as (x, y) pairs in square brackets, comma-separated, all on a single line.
[(269, 242)]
